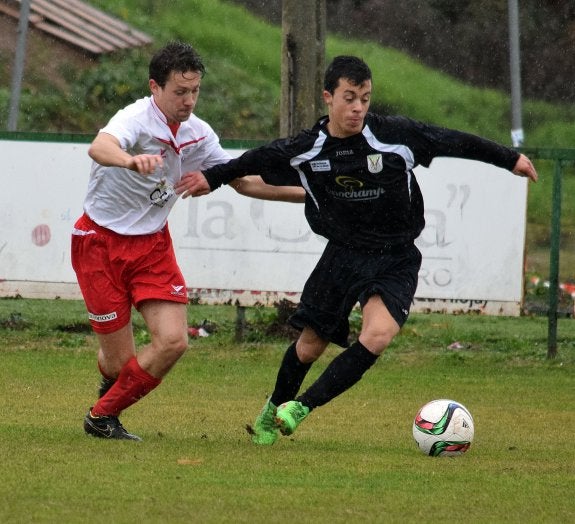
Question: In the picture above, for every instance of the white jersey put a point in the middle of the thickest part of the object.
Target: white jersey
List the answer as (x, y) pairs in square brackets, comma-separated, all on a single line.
[(132, 204)]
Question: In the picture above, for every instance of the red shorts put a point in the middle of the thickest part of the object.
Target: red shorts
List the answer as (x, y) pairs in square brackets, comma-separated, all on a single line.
[(117, 271)]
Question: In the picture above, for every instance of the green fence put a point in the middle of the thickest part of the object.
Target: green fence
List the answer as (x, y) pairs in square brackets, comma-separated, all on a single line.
[(561, 158)]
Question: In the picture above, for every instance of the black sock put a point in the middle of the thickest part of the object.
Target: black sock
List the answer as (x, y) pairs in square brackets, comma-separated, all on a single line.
[(290, 377), (343, 372), (105, 385)]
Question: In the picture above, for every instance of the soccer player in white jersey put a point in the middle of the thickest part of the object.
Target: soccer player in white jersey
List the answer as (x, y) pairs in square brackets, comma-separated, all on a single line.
[(122, 251)]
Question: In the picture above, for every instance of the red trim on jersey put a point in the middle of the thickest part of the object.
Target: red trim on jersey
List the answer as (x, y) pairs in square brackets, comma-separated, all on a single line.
[(177, 148), (174, 128)]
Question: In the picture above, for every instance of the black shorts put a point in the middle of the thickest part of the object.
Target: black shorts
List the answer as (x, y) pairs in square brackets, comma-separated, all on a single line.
[(344, 276)]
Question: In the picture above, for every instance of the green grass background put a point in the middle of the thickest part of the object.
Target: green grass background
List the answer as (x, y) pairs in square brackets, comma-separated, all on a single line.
[(353, 460)]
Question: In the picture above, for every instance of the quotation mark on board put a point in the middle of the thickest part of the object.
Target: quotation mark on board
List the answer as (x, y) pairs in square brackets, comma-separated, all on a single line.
[(458, 195)]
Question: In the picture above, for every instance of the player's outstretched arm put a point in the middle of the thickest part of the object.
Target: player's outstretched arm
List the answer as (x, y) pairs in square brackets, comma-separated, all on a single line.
[(106, 151), (193, 183), (253, 186), (524, 167)]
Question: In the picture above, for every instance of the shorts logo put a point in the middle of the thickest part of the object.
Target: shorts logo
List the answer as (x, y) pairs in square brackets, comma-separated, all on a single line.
[(107, 317), (320, 165), (374, 163), (177, 290)]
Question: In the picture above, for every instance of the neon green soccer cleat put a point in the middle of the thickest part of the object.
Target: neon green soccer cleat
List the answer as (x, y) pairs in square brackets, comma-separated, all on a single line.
[(289, 416), (265, 431)]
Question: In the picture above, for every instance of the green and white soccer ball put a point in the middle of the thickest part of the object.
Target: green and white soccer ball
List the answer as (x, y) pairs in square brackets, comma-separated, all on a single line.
[(443, 428)]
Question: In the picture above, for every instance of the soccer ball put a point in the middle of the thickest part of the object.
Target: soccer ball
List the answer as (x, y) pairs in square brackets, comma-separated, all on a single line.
[(443, 428)]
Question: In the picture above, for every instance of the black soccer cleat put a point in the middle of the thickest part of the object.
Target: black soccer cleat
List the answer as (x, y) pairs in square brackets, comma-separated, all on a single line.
[(108, 427)]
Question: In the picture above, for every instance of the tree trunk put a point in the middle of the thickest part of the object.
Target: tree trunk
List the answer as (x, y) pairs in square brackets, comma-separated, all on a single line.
[(303, 63)]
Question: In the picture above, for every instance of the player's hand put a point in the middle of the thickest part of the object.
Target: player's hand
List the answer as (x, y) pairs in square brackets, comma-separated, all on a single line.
[(524, 167), (193, 183), (146, 164)]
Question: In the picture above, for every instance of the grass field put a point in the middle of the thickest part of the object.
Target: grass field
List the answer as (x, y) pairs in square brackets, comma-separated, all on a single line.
[(353, 460)]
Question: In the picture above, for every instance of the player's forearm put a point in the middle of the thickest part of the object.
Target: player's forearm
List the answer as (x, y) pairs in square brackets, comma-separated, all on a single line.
[(255, 187), (292, 194), (472, 147), (106, 151)]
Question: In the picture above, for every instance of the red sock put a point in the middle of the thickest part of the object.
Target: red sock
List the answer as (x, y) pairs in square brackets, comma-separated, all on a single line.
[(132, 384)]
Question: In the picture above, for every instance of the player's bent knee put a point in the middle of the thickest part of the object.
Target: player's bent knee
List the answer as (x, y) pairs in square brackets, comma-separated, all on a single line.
[(180, 345), (377, 341), (172, 346), (310, 346), (307, 355), (310, 351)]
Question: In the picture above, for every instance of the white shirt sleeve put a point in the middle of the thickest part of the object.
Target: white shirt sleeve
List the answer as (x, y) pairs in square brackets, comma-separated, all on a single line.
[(125, 126)]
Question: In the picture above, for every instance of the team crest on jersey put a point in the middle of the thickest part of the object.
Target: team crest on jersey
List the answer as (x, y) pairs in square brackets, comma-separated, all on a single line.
[(162, 193), (374, 163)]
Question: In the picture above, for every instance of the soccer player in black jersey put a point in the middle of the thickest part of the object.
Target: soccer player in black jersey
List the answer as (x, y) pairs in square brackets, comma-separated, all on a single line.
[(362, 195)]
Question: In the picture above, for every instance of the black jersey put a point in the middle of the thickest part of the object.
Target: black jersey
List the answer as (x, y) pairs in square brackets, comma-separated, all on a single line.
[(361, 190)]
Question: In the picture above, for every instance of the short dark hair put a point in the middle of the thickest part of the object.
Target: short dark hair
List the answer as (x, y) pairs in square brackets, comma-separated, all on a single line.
[(176, 57), (352, 68)]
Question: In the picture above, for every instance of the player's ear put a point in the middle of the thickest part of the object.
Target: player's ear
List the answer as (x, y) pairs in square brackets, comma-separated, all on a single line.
[(154, 86), (327, 97)]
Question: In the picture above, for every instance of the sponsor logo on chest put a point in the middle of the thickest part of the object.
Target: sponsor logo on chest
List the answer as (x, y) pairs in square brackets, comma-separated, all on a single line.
[(320, 165)]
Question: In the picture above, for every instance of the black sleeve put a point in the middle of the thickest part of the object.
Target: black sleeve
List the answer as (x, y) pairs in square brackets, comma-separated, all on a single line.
[(271, 162), (430, 141)]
